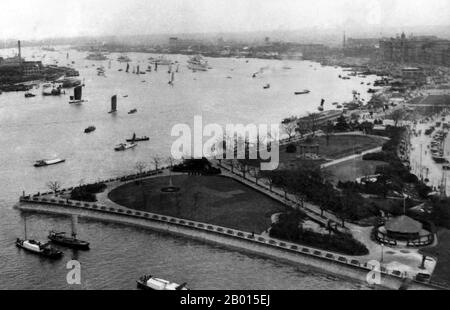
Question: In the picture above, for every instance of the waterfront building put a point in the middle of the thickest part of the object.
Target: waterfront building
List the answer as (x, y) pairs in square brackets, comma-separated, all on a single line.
[(17, 66), (424, 50), (415, 76)]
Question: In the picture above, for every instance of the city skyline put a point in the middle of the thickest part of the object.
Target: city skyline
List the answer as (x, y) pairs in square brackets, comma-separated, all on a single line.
[(139, 17)]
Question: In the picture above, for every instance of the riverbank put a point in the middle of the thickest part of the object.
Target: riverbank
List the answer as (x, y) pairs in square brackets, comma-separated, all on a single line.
[(340, 265)]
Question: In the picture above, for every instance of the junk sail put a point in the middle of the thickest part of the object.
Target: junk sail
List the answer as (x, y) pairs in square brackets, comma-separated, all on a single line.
[(113, 104), (77, 95)]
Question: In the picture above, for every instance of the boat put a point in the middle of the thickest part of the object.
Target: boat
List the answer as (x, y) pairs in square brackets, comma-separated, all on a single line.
[(161, 61), (303, 92), (77, 95), (36, 247), (51, 90), (29, 95), (48, 162), (138, 139), (197, 63), (267, 86), (123, 58), (113, 104), (321, 108), (90, 129), (151, 283), (125, 146), (71, 242), (133, 111), (69, 82), (96, 56)]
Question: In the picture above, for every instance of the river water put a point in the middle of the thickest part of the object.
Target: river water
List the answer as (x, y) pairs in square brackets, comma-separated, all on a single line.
[(46, 127)]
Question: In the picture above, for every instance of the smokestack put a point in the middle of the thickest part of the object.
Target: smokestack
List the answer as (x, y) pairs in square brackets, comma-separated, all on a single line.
[(20, 52)]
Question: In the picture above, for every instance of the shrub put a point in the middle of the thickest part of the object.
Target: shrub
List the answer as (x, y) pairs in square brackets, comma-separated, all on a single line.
[(291, 148)]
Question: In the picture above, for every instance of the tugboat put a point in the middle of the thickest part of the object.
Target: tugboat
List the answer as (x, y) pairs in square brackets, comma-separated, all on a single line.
[(124, 146), (48, 162), (90, 129), (37, 247), (70, 242), (151, 283)]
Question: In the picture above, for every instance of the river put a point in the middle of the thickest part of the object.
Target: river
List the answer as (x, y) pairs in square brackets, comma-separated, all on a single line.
[(45, 127)]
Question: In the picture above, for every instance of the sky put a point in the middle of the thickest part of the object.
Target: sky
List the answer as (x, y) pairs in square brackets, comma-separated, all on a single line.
[(37, 19)]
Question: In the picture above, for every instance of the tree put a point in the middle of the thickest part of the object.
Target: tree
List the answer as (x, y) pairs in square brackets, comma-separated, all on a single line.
[(328, 131), (54, 186), (313, 122), (156, 161), (140, 167), (342, 124), (397, 116), (290, 129)]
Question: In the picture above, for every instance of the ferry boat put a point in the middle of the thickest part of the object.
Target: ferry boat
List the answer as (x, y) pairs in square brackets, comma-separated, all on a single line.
[(48, 162), (303, 92), (123, 58), (198, 63), (38, 248), (125, 146), (156, 284), (90, 129)]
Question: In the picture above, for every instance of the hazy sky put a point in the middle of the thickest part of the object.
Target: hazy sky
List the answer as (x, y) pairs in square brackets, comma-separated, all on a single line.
[(28, 19)]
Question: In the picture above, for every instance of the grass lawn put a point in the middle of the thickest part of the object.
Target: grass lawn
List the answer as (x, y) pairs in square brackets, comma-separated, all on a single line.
[(213, 199), (351, 170), (442, 253), (337, 147)]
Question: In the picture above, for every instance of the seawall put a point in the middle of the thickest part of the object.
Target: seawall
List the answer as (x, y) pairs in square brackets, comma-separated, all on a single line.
[(268, 247)]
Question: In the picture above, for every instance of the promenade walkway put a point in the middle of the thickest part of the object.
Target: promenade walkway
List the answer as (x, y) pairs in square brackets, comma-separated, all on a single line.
[(406, 260)]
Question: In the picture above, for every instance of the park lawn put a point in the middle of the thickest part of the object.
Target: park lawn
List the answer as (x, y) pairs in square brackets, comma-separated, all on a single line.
[(209, 199), (338, 146), (441, 251), (349, 171)]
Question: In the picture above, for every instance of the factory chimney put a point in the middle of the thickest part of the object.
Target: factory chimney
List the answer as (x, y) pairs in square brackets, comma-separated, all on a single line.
[(20, 52)]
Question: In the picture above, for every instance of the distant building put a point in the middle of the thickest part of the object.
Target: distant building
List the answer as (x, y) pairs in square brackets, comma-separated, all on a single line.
[(17, 66), (365, 47), (416, 76), (421, 50)]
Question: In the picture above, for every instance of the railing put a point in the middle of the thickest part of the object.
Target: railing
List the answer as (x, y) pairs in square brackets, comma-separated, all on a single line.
[(210, 228)]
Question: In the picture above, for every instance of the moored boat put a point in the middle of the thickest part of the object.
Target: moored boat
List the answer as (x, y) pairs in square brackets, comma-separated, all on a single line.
[(39, 248), (156, 284)]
